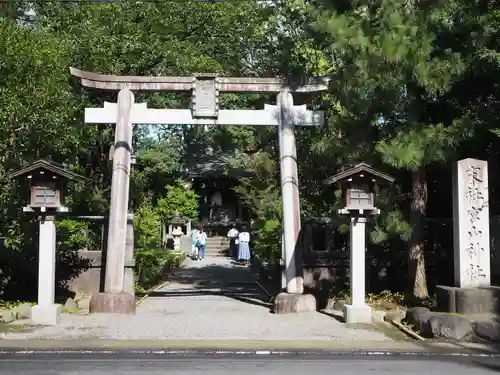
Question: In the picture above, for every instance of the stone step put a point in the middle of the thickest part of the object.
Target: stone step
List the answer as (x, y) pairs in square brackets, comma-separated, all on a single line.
[(216, 253), (217, 241), (217, 246)]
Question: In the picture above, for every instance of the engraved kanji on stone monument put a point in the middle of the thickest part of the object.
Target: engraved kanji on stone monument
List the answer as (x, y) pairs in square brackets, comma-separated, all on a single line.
[(471, 229)]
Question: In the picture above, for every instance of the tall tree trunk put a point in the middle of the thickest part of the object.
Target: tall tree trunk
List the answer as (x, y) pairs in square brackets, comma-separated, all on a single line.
[(416, 258)]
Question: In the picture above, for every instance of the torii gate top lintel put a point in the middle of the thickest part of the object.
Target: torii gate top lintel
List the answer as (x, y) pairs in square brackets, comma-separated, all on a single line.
[(224, 84)]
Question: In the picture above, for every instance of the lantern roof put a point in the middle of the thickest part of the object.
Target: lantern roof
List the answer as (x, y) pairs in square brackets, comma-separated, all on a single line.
[(361, 168), (177, 220), (48, 166)]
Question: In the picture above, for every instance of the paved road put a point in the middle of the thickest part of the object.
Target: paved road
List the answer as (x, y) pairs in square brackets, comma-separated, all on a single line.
[(244, 365), (208, 300)]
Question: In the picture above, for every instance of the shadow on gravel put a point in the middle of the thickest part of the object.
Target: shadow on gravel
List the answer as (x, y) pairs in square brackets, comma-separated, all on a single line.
[(331, 315), (232, 281), (250, 298)]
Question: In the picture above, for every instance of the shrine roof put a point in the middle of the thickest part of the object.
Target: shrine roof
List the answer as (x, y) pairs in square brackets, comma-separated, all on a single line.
[(212, 167)]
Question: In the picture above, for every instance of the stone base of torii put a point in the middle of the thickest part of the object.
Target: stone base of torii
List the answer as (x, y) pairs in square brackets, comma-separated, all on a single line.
[(205, 111)]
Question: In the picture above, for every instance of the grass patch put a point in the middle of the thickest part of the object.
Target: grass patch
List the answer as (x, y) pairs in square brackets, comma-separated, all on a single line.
[(7, 305), (15, 328), (391, 331), (386, 301)]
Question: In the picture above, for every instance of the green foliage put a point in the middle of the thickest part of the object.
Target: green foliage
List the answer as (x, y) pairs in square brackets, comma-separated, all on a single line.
[(72, 235), (151, 265), (267, 209), (151, 261), (147, 226), (180, 199), (413, 85)]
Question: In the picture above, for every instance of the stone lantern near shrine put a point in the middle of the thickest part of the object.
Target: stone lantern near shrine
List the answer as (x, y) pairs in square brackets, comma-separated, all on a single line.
[(177, 222), (358, 201), (47, 183)]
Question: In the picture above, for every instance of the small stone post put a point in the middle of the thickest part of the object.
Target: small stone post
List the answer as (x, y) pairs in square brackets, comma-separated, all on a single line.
[(46, 312), (358, 311), (129, 282), (282, 264)]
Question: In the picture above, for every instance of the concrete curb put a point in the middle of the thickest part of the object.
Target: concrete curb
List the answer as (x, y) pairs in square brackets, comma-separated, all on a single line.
[(329, 353), (225, 345), (237, 348)]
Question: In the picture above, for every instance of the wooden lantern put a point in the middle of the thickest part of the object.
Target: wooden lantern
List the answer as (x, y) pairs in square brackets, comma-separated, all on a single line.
[(47, 185), (358, 188)]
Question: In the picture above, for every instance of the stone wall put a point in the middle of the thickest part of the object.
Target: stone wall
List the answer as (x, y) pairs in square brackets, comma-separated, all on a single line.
[(91, 279), (326, 259)]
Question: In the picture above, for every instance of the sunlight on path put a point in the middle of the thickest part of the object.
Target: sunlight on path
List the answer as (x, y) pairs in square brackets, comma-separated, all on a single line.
[(211, 299)]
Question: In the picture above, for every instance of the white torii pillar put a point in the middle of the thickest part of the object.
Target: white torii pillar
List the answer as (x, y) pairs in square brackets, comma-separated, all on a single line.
[(284, 115)]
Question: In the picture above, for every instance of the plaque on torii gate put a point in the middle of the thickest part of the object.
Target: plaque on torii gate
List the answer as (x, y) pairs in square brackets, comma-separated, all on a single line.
[(205, 88)]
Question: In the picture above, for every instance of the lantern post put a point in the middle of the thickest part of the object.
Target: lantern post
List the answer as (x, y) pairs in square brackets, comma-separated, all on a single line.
[(358, 202), (47, 188)]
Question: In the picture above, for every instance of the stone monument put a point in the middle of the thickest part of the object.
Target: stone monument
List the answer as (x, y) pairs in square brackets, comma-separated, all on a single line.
[(472, 292), (471, 224)]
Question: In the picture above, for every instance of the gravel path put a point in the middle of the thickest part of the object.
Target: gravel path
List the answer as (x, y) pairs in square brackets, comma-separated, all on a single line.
[(211, 299)]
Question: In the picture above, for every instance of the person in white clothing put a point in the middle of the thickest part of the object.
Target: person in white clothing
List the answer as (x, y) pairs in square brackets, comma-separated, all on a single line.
[(233, 236), (194, 240), (200, 244), (243, 242)]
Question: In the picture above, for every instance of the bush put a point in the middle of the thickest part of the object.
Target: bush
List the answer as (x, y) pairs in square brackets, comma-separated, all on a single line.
[(151, 265), (19, 268), (147, 226)]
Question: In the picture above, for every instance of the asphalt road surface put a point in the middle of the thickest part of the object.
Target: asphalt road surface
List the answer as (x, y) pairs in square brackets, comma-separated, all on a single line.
[(140, 364)]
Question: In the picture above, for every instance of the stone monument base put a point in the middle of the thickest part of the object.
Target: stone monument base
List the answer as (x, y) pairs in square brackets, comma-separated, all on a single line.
[(358, 314), (46, 315), (286, 303), (483, 300), (117, 303)]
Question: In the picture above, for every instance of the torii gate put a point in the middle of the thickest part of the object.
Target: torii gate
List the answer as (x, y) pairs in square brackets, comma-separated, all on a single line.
[(205, 111)]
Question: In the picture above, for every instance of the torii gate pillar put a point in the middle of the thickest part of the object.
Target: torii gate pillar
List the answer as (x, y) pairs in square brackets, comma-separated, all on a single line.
[(115, 299), (292, 299)]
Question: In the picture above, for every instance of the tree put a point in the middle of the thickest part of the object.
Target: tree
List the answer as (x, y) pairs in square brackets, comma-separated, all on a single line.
[(394, 62), (180, 199)]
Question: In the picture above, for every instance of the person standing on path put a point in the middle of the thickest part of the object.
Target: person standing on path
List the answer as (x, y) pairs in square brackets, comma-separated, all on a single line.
[(233, 236), (201, 243), (194, 240), (244, 246)]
